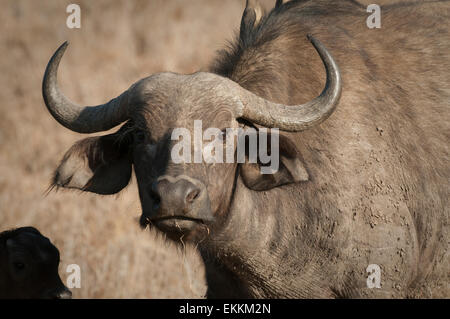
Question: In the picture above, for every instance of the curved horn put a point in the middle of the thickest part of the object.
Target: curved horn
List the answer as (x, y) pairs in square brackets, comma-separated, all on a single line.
[(295, 118), (81, 119)]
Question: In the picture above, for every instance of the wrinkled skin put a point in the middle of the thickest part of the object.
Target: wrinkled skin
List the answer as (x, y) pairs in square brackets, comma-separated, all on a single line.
[(348, 193), (29, 266)]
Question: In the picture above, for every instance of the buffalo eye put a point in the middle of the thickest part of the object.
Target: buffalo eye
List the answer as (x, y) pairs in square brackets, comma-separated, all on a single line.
[(139, 136), (19, 266)]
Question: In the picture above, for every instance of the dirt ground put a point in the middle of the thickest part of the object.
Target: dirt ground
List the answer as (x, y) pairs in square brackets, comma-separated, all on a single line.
[(119, 42)]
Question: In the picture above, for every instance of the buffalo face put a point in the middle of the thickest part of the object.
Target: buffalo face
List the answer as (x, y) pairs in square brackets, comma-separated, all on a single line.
[(181, 198)]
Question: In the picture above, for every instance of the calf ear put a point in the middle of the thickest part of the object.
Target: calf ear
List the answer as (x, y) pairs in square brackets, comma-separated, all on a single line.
[(100, 165), (291, 168)]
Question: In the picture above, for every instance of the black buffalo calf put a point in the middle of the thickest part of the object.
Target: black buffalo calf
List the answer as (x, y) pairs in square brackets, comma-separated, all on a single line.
[(29, 266)]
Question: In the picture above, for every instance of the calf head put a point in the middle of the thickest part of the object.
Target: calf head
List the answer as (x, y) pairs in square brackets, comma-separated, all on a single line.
[(29, 266)]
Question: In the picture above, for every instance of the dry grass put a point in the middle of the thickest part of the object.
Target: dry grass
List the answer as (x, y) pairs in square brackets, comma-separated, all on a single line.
[(119, 42)]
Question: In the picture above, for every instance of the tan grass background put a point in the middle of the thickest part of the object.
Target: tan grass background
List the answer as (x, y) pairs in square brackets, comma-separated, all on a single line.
[(119, 42)]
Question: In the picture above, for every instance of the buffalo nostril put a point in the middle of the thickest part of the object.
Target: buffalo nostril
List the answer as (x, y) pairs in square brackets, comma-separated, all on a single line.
[(192, 196)]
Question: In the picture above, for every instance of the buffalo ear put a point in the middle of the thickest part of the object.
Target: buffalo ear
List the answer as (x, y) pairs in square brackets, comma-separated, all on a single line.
[(279, 3), (100, 165), (291, 169), (251, 17)]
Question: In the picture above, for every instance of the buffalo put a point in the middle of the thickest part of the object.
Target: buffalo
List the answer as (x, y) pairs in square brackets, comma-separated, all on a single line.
[(362, 187), (29, 266)]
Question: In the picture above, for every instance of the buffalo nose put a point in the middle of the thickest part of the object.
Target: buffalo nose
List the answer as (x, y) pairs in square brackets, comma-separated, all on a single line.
[(174, 197)]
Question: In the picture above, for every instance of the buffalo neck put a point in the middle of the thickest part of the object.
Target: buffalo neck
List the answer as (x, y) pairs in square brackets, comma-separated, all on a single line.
[(265, 250)]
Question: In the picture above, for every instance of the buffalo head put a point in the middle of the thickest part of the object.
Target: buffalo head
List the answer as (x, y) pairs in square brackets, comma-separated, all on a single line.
[(29, 266), (182, 199)]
